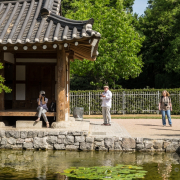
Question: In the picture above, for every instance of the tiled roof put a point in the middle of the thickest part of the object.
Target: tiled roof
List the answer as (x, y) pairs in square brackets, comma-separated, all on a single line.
[(39, 21)]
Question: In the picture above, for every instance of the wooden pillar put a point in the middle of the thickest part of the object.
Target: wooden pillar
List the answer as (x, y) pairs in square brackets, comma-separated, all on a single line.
[(69, 86), (61, 84), (2, 74)]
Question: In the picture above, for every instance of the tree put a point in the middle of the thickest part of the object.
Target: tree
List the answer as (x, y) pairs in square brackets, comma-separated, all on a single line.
[(2, 80), (161, 48), (127, 4), (118, 47)]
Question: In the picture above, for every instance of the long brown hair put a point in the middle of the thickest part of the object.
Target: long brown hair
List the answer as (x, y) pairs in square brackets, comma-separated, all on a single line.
[(167, 94)]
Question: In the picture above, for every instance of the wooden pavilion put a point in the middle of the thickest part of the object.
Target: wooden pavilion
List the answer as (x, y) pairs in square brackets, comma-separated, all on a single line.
[(36, 47)]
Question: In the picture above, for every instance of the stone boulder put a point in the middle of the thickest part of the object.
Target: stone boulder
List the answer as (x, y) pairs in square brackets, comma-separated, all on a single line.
[(40, 143), (117, 145), (28, 145), (2, 133), (128, 143), (72, 147), (52, 139), (59, 146), (79, 139), (86, 146), (69, 140), (109, 143), (23, 134), (11, 140), (158, 144)]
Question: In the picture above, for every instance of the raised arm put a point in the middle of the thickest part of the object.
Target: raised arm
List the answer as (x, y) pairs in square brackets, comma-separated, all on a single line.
[(39, 100)]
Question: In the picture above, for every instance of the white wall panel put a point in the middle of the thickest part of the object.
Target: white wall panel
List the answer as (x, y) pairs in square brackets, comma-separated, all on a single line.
[(20, 91)]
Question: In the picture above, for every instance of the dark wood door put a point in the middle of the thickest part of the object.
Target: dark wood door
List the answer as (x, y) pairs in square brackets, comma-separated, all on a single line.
[(39, 77)]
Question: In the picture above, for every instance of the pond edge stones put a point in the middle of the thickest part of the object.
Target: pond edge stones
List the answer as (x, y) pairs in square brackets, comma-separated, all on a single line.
[(78, 140)]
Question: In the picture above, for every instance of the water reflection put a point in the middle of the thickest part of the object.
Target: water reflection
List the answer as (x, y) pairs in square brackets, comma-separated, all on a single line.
[(44, 165)]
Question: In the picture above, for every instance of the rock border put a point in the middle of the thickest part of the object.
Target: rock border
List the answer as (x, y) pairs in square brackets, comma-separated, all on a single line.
[(75, 140)]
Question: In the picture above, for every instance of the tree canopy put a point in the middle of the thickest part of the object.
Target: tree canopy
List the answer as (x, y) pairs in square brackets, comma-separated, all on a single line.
[(119, 45), (2, 80), (161, 49)]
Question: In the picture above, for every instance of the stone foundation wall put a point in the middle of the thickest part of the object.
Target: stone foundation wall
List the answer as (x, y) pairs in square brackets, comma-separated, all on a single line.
[(62, 140)]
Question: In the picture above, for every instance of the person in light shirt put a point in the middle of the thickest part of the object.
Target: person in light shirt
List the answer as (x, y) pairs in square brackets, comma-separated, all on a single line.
[(106, 97), (42, 107)]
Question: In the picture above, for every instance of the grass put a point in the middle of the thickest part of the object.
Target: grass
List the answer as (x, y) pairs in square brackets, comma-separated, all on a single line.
[(131, 116)]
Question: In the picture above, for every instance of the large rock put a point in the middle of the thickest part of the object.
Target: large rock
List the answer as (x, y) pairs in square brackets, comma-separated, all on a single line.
[(139, 140), (53, 133), (63, 132), (52, 139), (8, 134), (2, 125), (165, 144), (6, 146), (128, 143), (32, 134), (40, 143), (140, 146), (2, 133), (158, 144), (11, 140), (20, 141), (23, 134), (69, 140), (99, 139), (28, 140), (109, 143), (173, 147), (72, 147), (3, 141), (86, 146), (89, 139), (79, 139), (17, 146), (148, 144), (61, 136), (61, 140), (28, 145), (59, 146), (117, 145), (41, 134), (77, 133)]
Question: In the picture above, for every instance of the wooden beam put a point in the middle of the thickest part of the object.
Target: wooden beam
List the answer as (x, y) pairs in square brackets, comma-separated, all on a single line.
[(61, 84), (23, 113), (2, 74)]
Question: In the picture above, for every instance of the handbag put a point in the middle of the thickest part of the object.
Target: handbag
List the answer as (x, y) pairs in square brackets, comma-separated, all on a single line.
[(52, 107)]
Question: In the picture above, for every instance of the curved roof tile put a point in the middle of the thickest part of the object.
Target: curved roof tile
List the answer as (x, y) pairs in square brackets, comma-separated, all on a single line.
[(32, 21)]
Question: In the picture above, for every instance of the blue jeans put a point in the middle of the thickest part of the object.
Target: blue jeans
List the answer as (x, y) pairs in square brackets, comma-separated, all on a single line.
[(168, 112)]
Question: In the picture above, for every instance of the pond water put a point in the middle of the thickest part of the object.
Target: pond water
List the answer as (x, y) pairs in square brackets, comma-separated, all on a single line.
[(46, 165)]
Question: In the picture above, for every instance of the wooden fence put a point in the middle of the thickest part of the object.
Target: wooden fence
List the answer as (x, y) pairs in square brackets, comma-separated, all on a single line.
[(125, 102)]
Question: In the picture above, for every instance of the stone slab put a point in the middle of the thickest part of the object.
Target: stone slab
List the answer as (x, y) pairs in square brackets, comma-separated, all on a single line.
[(28, 124), (2, 125), (115, 130)]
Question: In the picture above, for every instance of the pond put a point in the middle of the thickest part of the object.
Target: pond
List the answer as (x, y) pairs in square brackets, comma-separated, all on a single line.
[(46, 165)]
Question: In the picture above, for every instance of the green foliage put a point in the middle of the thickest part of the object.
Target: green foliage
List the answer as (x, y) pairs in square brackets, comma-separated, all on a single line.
[(161, 48), (118, 47), (2, 80), (120, 171)]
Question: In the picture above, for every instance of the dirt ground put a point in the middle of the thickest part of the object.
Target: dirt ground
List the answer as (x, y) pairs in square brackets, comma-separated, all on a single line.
[(149, 128)]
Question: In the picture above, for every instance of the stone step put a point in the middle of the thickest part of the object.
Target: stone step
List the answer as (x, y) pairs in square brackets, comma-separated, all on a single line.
[(28, 124), (2, 125)]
